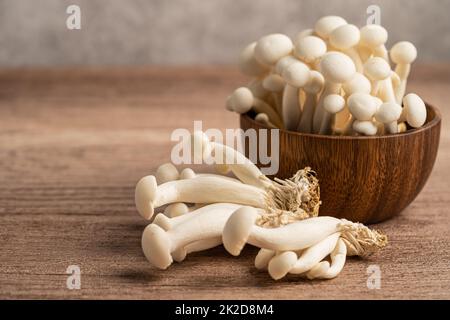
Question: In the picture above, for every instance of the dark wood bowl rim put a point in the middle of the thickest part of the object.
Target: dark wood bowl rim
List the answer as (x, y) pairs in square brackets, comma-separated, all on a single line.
[(428, 125)]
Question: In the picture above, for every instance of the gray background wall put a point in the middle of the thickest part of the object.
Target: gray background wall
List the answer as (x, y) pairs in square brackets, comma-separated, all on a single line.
[(116, 32)]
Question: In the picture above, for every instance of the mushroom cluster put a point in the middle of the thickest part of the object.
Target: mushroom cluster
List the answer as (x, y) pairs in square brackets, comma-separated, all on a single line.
[(333, 79), (204, 210)]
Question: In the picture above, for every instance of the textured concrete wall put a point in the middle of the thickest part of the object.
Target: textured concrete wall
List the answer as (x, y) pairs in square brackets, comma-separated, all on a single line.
[(194, 31)]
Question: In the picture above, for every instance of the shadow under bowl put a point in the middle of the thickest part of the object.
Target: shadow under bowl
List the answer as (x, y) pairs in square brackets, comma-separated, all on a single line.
[(362, 178)]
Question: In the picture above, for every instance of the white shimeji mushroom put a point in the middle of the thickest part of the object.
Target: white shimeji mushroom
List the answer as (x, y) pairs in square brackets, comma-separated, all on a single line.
[(206, 224), (327, 24), (312, 89), (310, 49), (388, 114), (324, 270), (303, 33), (374, 37), (288, 262), (403, 54), (264, 120), (365, 127), (346, 38), (271, 48), (362, 107), (166, 172), (275, 84), (414, 110), (149, 195), (332, 104), (296, 75), (377, 70), (336, 68), (248, 63), (242, 100)]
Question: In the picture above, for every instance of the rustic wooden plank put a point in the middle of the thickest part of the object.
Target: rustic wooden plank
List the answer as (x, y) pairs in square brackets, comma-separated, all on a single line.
[(73, 143)]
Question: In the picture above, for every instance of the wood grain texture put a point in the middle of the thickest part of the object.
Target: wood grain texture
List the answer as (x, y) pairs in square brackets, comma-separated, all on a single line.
[(73, 143), (365, 179)]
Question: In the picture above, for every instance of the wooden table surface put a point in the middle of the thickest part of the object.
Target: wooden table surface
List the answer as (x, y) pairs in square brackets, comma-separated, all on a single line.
[(73, 144)]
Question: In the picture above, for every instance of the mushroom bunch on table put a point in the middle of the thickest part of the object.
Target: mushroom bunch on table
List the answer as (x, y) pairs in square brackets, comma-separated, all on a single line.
[(240, 205), (333, 79)]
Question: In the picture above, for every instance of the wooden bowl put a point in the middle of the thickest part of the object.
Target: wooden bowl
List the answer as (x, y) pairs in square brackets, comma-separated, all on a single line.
[(365, 179)]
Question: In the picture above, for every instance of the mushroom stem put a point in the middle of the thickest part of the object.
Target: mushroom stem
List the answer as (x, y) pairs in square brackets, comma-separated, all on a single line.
[(403, 54), (332, 104), (324, 270), (245, 170), (305, 124), (149, 195), (312, 89), (388, 114), (330, 88), (242, 101), (196, 246), (291, 109), (337, 68), (263, 258), (287, 262), (241, 229), (264, 120), (206, 223)]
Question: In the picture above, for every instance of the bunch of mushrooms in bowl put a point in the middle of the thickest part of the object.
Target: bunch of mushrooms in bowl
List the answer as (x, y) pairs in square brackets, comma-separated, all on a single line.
[(240, 205), (335, 79), (337, 98)]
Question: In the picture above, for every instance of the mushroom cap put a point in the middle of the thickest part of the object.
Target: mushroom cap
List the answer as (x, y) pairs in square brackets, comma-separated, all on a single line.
[(388, 112), (163, 221), (362, 106), (310, 48), (281, 264), (403, 52), (345, 36), (262, 117), (365, 127), (283, 63), (373, 35), (359, 83), (180, 254), (315, 82), (377, 68), (263, 258), (248, 63), (415, 109), (271, 48), (187, 173), (242, 100), (325, 25), (156, 246), (337, 67), (297, 74), (333, 103), (166, 172), (274, 82), (144, 195), (304, 33), (237, 229), (176, 209)]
